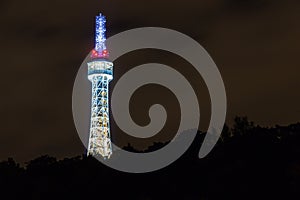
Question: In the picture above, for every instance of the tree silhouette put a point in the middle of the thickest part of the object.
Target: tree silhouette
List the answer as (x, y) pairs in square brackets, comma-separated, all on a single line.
[(250, 162)]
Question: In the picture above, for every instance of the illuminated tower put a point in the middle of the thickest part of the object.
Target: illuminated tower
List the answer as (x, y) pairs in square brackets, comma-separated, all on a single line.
[(100, 73)]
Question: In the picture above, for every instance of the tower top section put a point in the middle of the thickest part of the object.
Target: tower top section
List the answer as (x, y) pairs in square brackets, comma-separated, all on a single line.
[(100, 50)]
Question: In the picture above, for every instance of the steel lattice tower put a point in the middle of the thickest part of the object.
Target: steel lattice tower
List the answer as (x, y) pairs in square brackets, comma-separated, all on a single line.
[(100, 73)]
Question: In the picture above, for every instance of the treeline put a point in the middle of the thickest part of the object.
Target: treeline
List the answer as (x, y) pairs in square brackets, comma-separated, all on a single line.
[(248, 162)]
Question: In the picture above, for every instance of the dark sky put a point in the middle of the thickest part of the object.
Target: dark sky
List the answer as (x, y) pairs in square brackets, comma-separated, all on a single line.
[(255, 44)]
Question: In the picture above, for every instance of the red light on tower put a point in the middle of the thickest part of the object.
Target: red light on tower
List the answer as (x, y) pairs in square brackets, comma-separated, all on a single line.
[(105, 53), (96, 54)]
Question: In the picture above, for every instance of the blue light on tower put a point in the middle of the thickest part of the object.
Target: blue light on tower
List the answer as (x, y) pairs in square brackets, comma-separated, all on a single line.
[(100, 73)]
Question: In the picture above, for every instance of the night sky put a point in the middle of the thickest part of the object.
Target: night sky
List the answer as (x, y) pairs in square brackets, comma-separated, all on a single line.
[(255, 44)]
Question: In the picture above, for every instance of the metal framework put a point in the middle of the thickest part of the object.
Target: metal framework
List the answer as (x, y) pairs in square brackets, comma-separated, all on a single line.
[(100, 73)]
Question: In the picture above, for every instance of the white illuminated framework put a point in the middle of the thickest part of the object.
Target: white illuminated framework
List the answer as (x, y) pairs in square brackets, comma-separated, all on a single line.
[(100, 73)]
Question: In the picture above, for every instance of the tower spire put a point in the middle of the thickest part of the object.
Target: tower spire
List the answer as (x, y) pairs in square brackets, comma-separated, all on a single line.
[(100, 50)]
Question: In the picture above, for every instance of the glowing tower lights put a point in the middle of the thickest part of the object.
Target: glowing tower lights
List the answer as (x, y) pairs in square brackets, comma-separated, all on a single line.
[(100, 73)]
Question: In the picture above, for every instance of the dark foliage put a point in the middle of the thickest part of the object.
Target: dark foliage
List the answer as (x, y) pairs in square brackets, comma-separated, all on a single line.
[(249, 162)]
